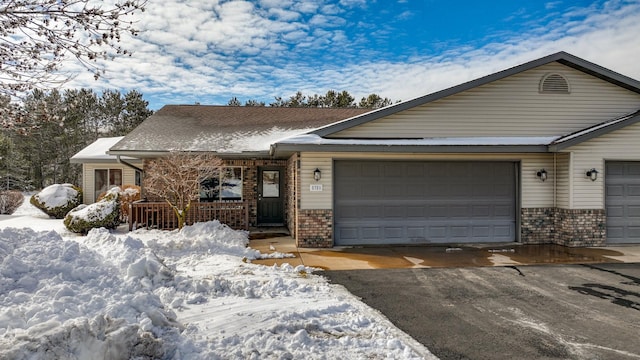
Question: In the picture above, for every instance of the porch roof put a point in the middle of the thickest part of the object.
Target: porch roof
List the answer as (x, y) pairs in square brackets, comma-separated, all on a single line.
[(96, 152)]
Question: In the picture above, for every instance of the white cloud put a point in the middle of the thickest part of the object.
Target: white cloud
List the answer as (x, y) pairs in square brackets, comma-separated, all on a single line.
[(260, 50)]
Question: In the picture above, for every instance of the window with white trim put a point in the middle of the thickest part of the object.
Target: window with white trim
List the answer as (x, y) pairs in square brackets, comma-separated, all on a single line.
[(105, 179)]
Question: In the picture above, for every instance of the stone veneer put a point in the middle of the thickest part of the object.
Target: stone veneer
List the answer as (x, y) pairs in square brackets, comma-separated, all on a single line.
[(315, 228), (577, 227), (537, 225), (569, 227)]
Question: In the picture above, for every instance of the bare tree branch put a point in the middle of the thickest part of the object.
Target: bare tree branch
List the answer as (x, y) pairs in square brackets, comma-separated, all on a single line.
[(176, 179), (37, 35)]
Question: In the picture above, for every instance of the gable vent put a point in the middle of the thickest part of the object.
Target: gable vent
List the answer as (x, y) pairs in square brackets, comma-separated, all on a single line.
[(554, 84)]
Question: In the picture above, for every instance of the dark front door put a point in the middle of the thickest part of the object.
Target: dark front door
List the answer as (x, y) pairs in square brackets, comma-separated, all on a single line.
[(270, 196)]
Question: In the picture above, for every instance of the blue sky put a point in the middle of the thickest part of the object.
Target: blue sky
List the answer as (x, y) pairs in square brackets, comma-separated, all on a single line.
[(210, 51)]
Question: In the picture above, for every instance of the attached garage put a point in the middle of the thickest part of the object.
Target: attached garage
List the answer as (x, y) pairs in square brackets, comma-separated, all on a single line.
[(622, 181), (421, 202)]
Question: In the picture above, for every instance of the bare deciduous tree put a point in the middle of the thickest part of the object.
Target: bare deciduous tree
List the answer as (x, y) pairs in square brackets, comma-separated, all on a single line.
[(37, 35), (176, 179)]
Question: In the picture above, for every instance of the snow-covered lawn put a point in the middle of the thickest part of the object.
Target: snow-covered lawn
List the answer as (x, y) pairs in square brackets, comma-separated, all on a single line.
[(190, 294)]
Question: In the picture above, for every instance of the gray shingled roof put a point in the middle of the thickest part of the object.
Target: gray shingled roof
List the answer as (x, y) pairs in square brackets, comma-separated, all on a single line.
[(224, 129)]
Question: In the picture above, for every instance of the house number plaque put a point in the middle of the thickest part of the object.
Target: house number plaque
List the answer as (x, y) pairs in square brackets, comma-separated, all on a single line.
[(315, 187)]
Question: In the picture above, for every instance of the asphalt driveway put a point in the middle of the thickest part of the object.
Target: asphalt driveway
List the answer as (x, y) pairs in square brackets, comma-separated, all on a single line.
[(517, 312)]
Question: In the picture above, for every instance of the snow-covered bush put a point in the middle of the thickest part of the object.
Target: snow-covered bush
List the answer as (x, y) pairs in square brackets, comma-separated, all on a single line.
[(58, 199), (10, 201), (128, 194), (105, 213)]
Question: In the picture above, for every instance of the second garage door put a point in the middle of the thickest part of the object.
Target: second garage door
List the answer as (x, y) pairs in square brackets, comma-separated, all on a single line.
[(409, 202), (623, 201)]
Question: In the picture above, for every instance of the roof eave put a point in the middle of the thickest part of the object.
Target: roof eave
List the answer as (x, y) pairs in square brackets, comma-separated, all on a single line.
[(559, 144), (282, 149), (149, 154)]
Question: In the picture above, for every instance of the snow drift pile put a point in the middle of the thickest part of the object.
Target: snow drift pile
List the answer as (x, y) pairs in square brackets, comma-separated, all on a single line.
[(182, 294)]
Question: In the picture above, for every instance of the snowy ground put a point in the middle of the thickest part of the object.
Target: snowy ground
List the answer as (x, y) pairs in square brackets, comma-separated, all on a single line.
[(192, 294)]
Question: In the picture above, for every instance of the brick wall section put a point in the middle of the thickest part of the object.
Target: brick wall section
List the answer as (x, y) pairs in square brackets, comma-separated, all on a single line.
[(568, 227), (315, 228), (537, 225), (292, 184), (250, 182), (577, 227)]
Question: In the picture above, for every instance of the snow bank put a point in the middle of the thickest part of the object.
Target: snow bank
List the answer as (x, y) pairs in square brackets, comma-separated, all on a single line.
[(62, 300), (187, 294)]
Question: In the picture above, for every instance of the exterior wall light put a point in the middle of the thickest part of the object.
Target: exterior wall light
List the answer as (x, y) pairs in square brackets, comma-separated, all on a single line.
[(542, 174), (592, 174), (317, 174)]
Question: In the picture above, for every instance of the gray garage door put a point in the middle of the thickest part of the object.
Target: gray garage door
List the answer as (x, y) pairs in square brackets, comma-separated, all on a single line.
[(622, 183), (405, 202)]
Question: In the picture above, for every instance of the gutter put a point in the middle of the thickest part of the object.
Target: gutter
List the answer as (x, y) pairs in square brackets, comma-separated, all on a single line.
[(120, 161)]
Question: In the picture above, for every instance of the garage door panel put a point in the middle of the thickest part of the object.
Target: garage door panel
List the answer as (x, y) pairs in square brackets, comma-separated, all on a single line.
[(633, 232), (415, 212), (414, 233), (633, 190), (615, 190), (622, 199), (393, 233), (633, 169), (372, 232), (633, 211), (615, 211), (481, 211), (425, 202)]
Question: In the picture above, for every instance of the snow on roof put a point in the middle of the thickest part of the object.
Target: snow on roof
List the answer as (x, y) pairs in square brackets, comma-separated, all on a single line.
[(313, 139), (232, 143), (97, 150)]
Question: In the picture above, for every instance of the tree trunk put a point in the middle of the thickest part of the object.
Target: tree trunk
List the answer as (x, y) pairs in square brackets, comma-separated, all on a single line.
[(181, 214)]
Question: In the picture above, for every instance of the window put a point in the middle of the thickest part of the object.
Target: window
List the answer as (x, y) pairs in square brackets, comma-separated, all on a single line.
[(225, 185), (554, 84), (105, 179)]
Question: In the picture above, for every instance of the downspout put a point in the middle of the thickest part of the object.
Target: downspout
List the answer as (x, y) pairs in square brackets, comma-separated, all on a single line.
[(120, 161)]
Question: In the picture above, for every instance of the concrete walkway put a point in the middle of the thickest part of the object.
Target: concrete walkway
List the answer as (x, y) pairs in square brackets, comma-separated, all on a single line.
[(434, 256)]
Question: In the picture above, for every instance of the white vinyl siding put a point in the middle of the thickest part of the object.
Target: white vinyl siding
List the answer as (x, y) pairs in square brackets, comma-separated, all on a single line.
[(535, 193), (509, 107), (563, 186), (623, 144), (88, 178)]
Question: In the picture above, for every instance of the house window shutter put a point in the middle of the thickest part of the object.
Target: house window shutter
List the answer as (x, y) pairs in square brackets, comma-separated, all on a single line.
[(554, 84)]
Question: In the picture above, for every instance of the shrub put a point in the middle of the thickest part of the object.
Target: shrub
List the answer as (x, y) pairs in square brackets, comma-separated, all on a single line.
[(105, 213), (10, 201), (58, 199), (127, 195)]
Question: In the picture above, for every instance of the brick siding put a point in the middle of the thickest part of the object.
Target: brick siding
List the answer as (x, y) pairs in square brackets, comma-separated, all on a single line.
[(569, 227), (315, 228)]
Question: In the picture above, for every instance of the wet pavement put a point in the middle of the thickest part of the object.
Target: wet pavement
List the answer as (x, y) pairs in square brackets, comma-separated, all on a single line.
[(431, 256), (587, 311)]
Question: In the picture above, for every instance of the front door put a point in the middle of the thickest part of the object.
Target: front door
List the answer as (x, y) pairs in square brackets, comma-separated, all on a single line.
[(270, 196)]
